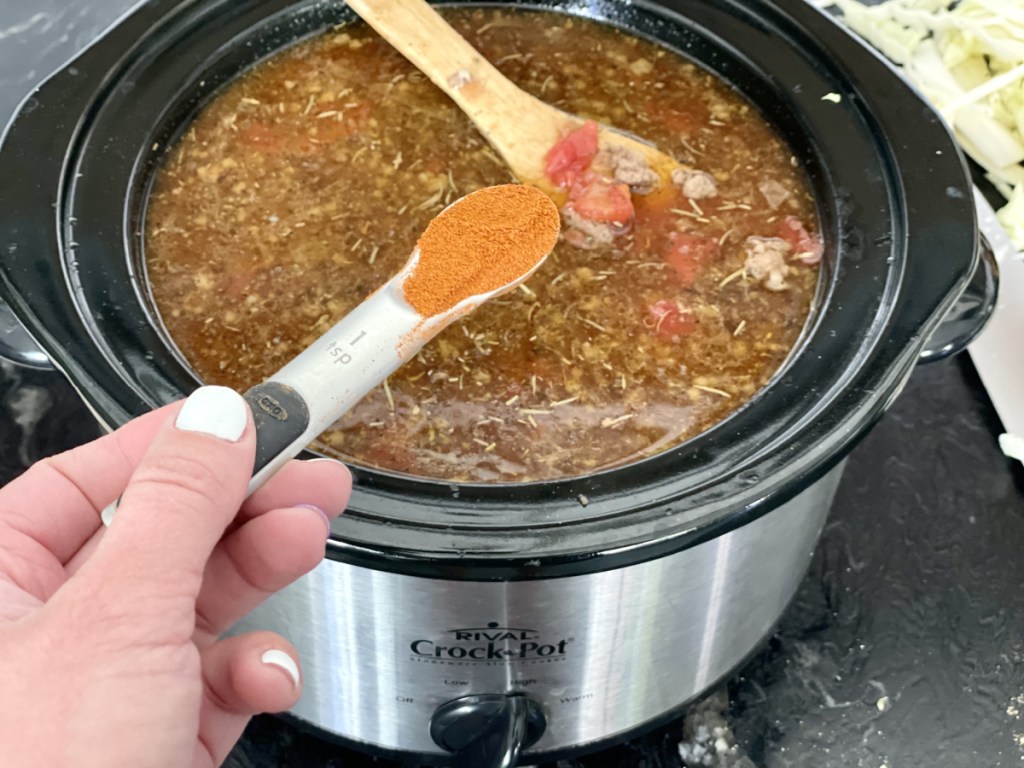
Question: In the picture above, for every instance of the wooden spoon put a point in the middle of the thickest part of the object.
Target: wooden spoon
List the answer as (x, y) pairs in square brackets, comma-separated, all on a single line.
[(521, 127)]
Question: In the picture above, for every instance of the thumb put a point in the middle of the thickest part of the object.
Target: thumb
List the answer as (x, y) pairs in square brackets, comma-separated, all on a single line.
[(181, 497)]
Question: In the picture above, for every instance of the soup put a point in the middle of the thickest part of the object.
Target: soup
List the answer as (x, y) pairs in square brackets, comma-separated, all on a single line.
[(304, 185)]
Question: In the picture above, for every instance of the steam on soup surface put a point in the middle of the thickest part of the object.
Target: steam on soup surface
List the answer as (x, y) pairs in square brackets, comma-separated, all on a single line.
[(304, 185)]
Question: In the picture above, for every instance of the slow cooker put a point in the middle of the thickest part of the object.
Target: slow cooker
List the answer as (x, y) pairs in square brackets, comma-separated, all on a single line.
[(486, 625)]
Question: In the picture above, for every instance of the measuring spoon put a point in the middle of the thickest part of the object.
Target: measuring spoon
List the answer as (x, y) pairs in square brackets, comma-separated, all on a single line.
[(316, 388)]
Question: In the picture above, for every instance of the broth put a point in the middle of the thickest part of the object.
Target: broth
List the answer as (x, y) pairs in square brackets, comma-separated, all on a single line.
[(304, 185)]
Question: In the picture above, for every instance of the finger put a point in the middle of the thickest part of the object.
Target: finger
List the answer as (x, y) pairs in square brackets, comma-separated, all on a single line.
[(243, 676), (322, 483), (15, 602), (72, 566), (181, 497), (76, 485), (254, 561)]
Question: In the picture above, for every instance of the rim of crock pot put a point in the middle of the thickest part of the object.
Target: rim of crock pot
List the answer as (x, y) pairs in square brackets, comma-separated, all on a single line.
[(738, 470)]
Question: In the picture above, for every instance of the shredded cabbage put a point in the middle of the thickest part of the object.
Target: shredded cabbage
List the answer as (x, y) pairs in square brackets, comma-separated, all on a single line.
[(967, 58)]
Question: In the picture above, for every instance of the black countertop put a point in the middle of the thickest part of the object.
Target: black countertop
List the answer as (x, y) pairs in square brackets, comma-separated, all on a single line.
[(904, 647)]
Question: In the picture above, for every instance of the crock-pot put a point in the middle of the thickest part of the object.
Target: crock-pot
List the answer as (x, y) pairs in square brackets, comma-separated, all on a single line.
[(487, 624)]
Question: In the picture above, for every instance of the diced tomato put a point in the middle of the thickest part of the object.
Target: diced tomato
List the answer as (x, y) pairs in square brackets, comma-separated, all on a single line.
[(806, 246), (600, 199), (670, 321), (688, 253), (572, 155)]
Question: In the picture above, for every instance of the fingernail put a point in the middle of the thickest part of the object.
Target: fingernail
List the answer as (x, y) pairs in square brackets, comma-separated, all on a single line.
[(282, 660), (107, 515), (323, 515), (216, 411), (326, 458)]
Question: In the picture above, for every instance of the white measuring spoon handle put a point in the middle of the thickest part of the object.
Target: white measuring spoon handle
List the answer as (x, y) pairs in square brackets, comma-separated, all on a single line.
[(296, 404)]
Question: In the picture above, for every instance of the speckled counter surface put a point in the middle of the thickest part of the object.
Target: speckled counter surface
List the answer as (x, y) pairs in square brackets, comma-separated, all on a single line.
[(905, 645)]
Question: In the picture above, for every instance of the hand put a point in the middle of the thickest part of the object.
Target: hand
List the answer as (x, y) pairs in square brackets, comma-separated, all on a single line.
[(110, 649)]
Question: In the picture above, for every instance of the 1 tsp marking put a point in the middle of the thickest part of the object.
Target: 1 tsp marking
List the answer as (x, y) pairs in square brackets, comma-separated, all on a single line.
[(339, 354)]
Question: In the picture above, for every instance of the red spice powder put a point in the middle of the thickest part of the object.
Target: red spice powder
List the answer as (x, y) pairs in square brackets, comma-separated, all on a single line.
[(480, 243)]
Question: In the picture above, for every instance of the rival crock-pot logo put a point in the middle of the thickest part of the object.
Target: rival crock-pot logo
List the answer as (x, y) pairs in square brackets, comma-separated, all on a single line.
[(493, 643)]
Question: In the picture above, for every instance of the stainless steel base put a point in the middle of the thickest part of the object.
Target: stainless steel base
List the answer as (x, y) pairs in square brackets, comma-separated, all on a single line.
[(601, 653)]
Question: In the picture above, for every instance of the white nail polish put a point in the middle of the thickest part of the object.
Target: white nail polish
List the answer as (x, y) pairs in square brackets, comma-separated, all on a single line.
[(107, 515), (216, 411), (282, 660)]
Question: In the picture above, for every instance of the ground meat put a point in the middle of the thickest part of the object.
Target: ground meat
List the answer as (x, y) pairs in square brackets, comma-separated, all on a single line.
[(766, 261), (627, 166), (585, 233), (696, 185), (808, 248)]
